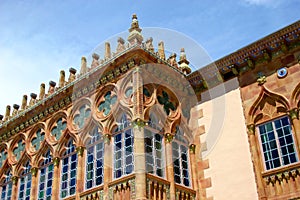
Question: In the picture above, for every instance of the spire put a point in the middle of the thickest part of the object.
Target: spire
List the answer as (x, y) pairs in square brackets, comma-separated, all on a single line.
[(135, 35)]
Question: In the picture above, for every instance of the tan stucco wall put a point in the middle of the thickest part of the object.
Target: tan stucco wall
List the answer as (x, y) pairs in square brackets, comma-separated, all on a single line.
[(230, 166)]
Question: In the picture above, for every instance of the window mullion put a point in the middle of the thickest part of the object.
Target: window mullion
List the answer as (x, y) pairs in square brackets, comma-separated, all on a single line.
[(277, 143)]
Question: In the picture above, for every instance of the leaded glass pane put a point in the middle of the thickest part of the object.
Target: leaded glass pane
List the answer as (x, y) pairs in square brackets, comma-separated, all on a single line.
[(7, 187), (277, 143), (25, 183), (46, 177), (69, 169), (94, 165)]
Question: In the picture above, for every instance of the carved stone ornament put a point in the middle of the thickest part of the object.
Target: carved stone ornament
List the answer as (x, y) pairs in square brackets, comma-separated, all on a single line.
[(34, 171), (169, 137), (106, 138), (293, 113), (251, 129), (14, 180), (192, 148), (80, 151), (56, 161), (261, 80)]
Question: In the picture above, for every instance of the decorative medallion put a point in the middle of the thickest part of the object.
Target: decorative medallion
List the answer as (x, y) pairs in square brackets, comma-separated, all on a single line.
[(106, 105), (282, 72), (82, 115)]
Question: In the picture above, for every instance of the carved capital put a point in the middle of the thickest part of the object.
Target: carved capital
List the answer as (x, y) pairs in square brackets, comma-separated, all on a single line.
[(192, 148), (106, 138), (251, 129), (261, 80), (139, 123), (14, 180), (293, 113), (80, 150), (169, 137), (34, 171), (56, 161)]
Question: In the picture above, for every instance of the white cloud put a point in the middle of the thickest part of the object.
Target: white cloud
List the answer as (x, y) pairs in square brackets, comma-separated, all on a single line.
[(266, 3)]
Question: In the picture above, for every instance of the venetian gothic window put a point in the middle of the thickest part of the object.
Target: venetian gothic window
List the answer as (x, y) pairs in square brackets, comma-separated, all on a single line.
[(6, 186), (58, 129), (68, 171), (94, 162), (25, 183), (181, 159), (277, 143), (154, 148), (123, 148), (46, 177)]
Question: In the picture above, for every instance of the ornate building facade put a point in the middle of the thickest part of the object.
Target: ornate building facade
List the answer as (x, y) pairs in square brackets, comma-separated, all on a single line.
[(138, 125)]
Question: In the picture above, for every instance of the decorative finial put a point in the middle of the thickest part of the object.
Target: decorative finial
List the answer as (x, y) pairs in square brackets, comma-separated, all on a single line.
[(62, 79), (121, 46), (184, 63), (24, 102), (161, 50), (72, 76), (95, 62), (172, 60), (149, 45), (135, 36), (51, 89), (33, 99), (107, 51), (15, 110), (83, 68), (7, 113), (42, 91)]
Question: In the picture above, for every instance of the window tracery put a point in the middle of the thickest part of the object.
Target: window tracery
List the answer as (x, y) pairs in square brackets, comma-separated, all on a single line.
[(83, 114), (38, 139), (25, 183), (60, 126)]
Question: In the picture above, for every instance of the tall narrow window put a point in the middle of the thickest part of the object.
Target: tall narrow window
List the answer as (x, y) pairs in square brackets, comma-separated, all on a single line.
[(68, 173), (94, 164), (180, 159), (277, 143), (123, 149), (25, 183), (154, 155), (154, 148), (6, 188), (46, 178)]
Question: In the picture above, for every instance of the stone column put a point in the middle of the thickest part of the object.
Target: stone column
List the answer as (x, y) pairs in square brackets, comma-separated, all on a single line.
[(139, 163), (80, 171), (107, 165), (138, 132), (34, 183), (169, 163), (56, 179), (256, 161), (14, 191), (194, 166), (294, 117)]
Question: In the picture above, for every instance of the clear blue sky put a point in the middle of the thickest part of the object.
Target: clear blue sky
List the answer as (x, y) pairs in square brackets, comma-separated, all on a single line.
[(39, 38)]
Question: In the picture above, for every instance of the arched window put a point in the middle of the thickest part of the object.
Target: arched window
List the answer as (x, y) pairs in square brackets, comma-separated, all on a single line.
[(123, 149), (6, 188), (154, 148), (180, 159), (46, 177), (94, 162), (25, 183), (68, 172)]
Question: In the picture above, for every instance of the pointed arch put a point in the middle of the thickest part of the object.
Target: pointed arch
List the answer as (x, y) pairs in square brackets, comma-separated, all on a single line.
[(6, 168), (6, 182), (296, 96), (36, 138), (267, 106), (62, 144), (17, 148), (22, 162), (56, 127), (39, 157)]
